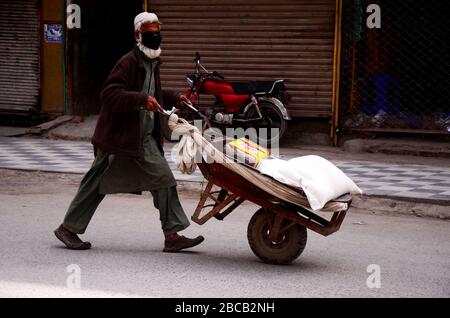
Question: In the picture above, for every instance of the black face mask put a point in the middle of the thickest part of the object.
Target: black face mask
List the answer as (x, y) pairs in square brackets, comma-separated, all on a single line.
[(152, 40)]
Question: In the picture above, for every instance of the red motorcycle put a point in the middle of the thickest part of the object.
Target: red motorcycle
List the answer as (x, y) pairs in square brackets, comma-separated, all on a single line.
[(258, 104)]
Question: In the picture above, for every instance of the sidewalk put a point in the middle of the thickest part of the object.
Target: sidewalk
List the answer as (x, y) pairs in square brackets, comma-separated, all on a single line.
[(381, 178)]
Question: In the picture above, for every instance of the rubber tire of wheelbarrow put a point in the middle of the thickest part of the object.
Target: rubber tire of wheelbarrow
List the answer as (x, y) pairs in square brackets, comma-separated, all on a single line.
[(297, 237)]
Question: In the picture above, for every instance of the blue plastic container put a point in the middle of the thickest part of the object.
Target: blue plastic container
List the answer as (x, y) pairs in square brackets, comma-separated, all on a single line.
[(380, 92)]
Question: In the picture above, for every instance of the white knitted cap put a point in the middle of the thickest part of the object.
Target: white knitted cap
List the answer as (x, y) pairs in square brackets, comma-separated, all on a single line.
[(144, 17)]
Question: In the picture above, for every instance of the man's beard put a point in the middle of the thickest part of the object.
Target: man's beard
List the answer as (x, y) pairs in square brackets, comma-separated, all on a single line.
[(151, 54)]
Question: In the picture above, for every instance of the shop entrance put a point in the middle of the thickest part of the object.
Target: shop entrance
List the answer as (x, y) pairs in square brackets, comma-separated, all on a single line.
[(105, 35), (19, 57), (395, 78)]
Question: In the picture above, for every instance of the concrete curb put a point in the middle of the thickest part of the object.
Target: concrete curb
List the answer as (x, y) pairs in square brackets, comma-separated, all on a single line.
[(398, 147), (387, 206), (47, 126)]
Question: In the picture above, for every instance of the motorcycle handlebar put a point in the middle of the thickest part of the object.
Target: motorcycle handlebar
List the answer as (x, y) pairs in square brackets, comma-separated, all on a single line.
[(217, 75), (199, 65)]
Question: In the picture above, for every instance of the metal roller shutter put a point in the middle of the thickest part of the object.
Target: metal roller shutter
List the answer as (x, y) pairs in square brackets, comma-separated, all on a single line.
[(253, 40), (19, 55)]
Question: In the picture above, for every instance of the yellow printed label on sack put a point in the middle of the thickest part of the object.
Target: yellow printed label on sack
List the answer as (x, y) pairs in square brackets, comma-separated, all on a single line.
[(251, 148)]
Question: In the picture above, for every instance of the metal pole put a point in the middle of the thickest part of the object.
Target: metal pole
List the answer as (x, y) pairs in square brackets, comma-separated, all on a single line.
[(336, 72)]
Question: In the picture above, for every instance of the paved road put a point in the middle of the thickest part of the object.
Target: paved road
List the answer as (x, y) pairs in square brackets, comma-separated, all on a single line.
[(126, 258)]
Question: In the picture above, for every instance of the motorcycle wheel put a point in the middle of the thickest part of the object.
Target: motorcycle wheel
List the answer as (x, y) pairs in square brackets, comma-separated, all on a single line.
[(272, 118)]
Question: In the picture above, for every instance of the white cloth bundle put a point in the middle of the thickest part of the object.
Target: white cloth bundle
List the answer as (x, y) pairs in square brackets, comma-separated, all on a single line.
[(320, 179), (186, 155)]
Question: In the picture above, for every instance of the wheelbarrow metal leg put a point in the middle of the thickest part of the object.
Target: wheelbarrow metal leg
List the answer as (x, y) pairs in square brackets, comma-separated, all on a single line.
[(217, 207), (221, 216)]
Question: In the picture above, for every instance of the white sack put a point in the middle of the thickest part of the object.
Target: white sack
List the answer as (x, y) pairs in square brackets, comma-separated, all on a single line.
[(320, 179)]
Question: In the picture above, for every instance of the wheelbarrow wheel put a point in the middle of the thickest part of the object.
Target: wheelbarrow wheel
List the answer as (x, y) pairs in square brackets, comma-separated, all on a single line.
[(285, 249)]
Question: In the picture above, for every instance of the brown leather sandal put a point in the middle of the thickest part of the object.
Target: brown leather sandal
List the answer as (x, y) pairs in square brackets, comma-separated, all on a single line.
[(71, 240)]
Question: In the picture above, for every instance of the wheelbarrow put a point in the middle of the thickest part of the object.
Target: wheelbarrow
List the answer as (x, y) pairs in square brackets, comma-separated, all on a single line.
[(277, 232)]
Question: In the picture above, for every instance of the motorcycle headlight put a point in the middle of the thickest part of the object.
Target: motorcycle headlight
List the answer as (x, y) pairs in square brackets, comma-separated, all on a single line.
[(189, 81)]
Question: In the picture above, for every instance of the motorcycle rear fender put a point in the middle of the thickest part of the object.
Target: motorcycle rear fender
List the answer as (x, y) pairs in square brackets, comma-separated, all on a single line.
[(274, 101)]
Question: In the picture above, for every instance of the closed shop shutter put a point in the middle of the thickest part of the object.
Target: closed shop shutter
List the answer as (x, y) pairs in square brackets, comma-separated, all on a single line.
[(19, 55), (253, 40)]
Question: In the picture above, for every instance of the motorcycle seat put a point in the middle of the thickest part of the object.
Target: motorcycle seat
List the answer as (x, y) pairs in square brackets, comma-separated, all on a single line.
[(258, 87)]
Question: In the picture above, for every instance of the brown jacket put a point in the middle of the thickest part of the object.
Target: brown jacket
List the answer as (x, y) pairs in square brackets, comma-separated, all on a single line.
[(118, 126)]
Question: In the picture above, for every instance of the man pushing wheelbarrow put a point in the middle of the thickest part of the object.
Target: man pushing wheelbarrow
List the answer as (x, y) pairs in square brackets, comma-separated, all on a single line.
[(128, 144)]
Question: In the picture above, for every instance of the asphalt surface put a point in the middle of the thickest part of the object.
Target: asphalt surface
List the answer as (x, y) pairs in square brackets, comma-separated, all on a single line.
[(413, 254)]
